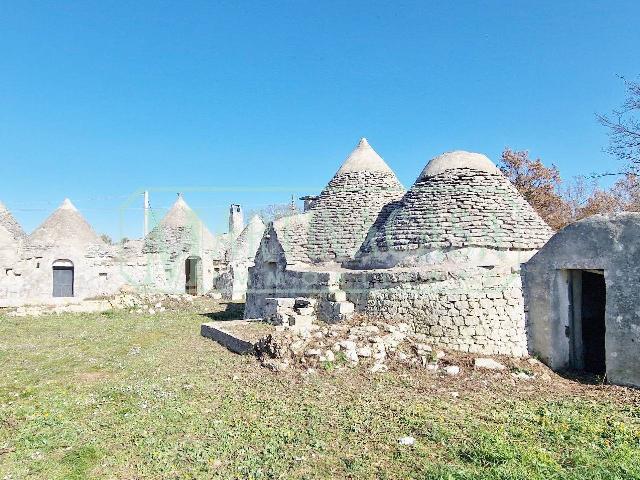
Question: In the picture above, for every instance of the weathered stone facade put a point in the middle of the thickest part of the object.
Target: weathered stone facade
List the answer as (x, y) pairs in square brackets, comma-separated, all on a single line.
[(444, 257), (232, 282), (178, 255), (560, 304)]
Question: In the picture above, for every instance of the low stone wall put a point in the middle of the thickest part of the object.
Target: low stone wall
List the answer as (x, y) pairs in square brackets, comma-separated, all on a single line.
[(476, 310), (285, 283)]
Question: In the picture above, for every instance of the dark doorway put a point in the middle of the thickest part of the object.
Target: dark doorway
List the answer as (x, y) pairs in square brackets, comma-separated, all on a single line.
[(63, 279), (594, 297), (192, 270), (271, 278)]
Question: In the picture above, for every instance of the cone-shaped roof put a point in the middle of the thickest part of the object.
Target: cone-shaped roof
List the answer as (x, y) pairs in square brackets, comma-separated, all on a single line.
[(180, 226), (364, 158), (349, 204), (65, 226), (460, 200), (247, 243), (10, 224)]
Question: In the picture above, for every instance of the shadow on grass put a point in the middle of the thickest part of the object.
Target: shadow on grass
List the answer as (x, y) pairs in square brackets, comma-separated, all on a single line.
[(232, 311), (581, 376)]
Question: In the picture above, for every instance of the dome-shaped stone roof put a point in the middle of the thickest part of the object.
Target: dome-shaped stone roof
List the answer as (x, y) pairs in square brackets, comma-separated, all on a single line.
[(457, 159), (64, 226), (459, 200), (347, 207)]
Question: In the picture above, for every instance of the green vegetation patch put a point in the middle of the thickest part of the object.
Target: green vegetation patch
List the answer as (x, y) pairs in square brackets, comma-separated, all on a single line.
[(121, 395)]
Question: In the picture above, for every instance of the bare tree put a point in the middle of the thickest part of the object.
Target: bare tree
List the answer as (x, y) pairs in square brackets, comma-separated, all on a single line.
[(538, 184), (106, 239), (627, 192), (624, 129)]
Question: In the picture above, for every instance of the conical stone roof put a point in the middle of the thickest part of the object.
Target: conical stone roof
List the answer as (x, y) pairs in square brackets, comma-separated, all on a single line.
[(349, 205), (247, 243), (63, 227), (459, 200), (9, 223), (180, 228)]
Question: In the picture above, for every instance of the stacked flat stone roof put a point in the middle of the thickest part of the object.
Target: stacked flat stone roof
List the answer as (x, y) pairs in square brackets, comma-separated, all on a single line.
[(9, 223), (181, 230), (65, 226), (246, 245), (460, 200), (350, 204), (292, 233)]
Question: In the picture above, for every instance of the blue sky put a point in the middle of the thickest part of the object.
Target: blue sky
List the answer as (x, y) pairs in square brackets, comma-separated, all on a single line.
[(261, 100)]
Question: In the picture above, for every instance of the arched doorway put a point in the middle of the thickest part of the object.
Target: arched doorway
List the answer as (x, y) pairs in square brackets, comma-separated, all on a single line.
[(63, 274), (193, 275)]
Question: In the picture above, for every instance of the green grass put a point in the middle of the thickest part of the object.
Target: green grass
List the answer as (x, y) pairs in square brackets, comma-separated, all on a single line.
[(126, 396)]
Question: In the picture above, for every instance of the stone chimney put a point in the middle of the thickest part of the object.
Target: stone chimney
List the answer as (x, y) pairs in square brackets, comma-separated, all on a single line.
[(236, 220), (309, 200)]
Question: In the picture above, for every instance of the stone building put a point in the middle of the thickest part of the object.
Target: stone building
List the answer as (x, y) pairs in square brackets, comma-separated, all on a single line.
[(181, 254), (581, 291), (296, 247), (445, 257), (64, 260), (232, 283)]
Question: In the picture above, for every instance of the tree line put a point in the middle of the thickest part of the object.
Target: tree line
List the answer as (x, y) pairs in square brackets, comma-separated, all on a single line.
[(561, 202)]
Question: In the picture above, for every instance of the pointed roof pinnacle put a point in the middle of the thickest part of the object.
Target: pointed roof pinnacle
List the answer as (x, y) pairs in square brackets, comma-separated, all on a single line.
[(67, 205), (65, 225), (364, 158), (180, 202), (256, 219)]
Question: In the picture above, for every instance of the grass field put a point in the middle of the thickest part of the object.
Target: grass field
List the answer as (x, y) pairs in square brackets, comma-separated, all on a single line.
[(119, 395)]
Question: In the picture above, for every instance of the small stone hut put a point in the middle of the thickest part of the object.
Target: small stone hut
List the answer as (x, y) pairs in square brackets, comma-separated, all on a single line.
[(581, 292), (447, 257), (63, 259), (180, 252)]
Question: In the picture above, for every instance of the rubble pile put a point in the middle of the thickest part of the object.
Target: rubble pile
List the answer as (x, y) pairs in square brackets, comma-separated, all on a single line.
[(372, 343), (376, 346), (150, 303)]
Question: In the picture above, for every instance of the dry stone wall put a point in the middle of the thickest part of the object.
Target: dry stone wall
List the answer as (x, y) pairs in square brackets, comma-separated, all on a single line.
[(470, 311)]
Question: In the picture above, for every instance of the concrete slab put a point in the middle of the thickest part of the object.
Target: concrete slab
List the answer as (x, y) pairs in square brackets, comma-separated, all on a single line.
[(239, 336)]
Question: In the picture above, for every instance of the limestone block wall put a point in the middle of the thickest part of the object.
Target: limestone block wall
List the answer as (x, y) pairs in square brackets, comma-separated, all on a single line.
[(272, 280), (473, 311), (30, 280), (232, 283)]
